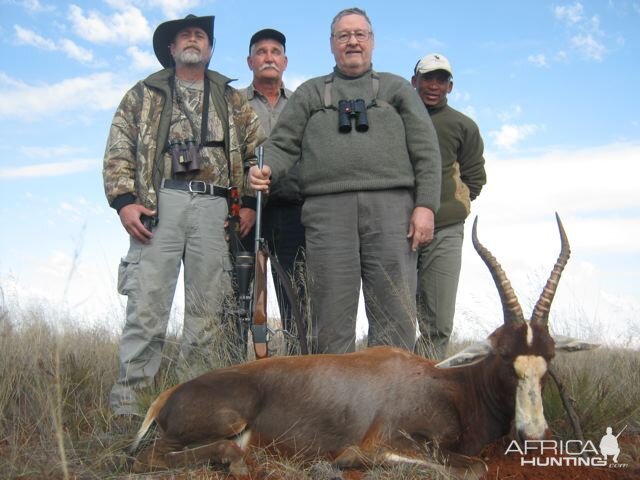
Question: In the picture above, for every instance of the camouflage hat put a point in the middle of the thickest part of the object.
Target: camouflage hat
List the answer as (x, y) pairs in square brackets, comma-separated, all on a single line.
[(166, 33)]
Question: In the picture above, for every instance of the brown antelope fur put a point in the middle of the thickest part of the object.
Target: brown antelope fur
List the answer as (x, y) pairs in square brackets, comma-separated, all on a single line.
[(377, 405)]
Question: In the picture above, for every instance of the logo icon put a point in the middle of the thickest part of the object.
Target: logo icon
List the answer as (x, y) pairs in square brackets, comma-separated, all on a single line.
[(609, 445)]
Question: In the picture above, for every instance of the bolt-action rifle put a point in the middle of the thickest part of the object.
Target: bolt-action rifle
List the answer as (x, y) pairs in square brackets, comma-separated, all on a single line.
[(259, 328), (259, 313), (251, 309), (251, 312)]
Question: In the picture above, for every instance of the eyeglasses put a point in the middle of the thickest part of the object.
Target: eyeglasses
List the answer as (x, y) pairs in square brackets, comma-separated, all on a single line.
[(360, 36)]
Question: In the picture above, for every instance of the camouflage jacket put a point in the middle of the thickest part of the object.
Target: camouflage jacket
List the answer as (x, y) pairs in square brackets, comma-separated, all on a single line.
[(134, 164)]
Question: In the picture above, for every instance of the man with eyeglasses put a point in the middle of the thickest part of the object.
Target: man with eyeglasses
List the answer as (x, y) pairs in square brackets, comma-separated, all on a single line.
[(463, 176), (370, 173)]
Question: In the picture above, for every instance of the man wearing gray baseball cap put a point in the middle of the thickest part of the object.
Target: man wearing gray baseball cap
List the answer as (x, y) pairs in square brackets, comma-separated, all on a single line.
[(463, 176)]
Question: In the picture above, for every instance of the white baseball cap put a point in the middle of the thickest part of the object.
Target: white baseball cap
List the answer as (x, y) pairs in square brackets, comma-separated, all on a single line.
[(433, 62)]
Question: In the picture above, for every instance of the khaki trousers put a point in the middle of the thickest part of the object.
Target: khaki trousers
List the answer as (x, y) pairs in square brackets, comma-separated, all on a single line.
[(190, 233), (439, 266)]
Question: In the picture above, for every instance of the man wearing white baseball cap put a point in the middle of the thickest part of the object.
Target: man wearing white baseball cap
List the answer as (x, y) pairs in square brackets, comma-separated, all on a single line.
[(463, 176)]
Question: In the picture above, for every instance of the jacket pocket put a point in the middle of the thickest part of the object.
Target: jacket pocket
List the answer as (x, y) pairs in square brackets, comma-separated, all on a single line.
[(128, 269)]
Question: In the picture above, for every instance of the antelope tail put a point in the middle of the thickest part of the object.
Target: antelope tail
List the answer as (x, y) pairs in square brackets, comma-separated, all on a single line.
[(149, 418)]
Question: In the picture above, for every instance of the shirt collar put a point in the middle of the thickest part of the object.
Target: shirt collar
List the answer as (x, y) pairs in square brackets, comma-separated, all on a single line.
[(251, 92)]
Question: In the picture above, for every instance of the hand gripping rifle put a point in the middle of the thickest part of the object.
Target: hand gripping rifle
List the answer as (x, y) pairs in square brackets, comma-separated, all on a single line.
[(259, 311), (259, 326), (249, 266), (252, 267)]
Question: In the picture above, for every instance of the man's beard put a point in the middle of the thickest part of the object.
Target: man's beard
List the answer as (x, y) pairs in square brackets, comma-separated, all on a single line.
[(191, 56)]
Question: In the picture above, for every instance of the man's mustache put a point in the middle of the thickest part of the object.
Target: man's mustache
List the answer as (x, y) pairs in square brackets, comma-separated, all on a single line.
[(269, 65)]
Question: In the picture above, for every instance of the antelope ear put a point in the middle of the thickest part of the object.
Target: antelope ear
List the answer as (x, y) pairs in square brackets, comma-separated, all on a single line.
[(568, 344), (470, 355)]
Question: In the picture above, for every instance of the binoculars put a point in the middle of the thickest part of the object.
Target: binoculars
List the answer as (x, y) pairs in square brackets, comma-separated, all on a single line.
[(184, 156), (352, 108)]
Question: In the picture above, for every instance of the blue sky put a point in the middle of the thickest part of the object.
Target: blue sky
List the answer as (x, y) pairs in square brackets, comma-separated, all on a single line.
[(553, 86)]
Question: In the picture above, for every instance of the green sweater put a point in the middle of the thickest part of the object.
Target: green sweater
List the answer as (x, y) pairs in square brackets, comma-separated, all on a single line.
[(400, 149), (463, 173)]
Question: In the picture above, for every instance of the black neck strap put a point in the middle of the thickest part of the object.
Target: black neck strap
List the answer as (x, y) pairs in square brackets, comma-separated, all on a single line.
[(205, 112), (204, 125)]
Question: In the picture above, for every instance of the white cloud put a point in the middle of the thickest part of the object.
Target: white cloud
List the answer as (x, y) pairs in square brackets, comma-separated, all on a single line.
[(293, 81), (509, 135), (589, 47), (49, 151), (560, 56), (460, 96), (68, 47), (174, 8), (7, 81), (507, 115), (127, 26), (597, 297), (539, 60), (36, 6), (100, 91), (593, 25), (142, 60), (69, 281), (570, 14), (575, 182), (28, 37), (55, 169), (588, 37), (75, 51)]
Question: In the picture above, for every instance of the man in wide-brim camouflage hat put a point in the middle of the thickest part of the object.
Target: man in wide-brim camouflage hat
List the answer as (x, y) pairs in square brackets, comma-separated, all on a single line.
[(166, 33), (179, 139)]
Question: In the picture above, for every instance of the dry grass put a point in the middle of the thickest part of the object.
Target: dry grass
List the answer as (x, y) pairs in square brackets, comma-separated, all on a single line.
[(55, 377)]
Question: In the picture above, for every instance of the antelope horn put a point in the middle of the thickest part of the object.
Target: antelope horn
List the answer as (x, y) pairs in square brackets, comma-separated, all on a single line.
[(541, 310), (510, 305)]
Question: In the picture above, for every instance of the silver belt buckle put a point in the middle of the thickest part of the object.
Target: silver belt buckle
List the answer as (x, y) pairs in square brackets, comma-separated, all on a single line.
[(197, 186)]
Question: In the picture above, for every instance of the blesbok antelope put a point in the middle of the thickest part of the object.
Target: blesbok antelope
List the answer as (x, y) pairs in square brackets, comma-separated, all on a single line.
[(374, 406)]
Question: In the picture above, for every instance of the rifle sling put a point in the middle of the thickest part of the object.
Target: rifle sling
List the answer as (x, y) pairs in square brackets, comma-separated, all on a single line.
[(294, 301)]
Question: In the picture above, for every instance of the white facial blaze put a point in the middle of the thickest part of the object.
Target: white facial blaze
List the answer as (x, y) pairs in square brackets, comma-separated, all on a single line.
[(529, 334), (530, 420)]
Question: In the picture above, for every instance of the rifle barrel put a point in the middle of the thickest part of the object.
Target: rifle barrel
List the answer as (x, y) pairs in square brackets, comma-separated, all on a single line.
[(258, 229), (620, 432)]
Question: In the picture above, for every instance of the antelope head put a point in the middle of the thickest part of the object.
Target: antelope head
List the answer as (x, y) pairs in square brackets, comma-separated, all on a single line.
[(519, 352)]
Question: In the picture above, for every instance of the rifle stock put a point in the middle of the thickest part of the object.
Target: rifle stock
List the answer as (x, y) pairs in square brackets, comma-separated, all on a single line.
[(259, 320)]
